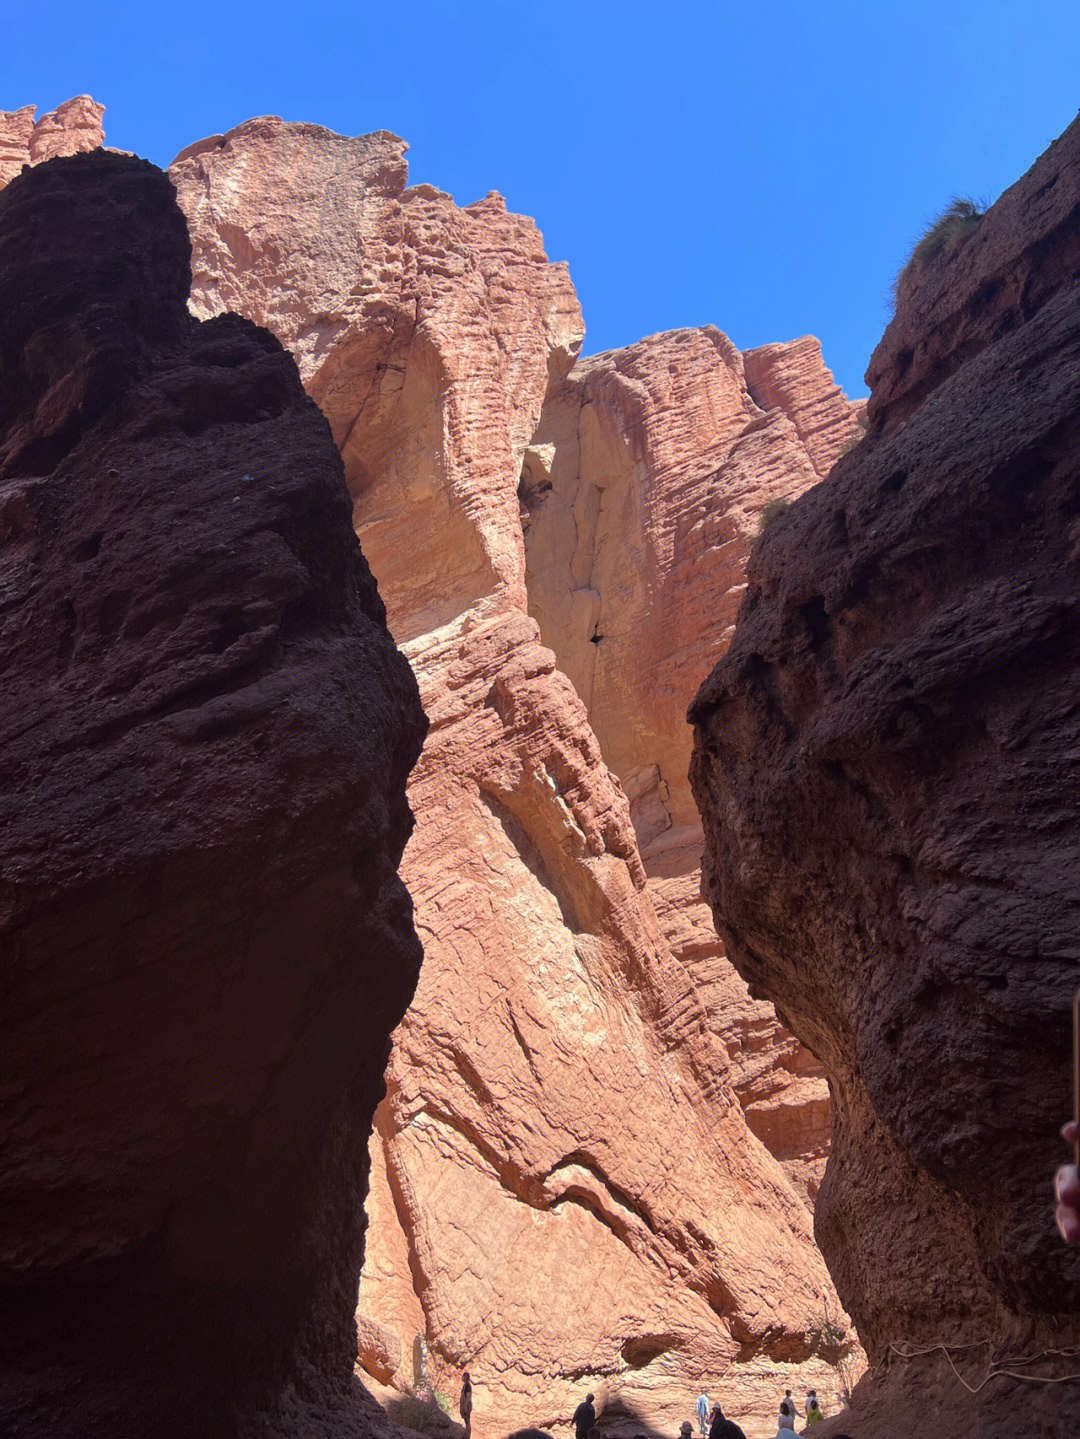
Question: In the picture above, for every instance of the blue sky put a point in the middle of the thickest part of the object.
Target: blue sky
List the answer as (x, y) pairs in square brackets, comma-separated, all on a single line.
[(762, 166)]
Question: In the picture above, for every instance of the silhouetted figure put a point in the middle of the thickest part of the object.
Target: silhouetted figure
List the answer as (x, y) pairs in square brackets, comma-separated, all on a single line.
[(722, 1428), (585, 1417), (465, 1404)]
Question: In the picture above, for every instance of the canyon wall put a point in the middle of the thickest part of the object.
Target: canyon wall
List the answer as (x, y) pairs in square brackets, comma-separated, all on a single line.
[(566, 1190), (888, 765), (641, 495), (206, 732)]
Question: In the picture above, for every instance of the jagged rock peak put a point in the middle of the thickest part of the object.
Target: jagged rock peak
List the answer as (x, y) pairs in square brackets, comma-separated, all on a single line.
[(70, 129)]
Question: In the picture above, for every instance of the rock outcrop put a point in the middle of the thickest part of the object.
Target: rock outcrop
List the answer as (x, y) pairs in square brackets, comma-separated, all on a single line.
[(71, 129), (641, 494), (566, 1188), (888, 764), (977, 292), (205, 736)]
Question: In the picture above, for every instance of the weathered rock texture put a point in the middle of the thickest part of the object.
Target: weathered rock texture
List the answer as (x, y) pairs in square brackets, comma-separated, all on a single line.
[(205, 735), (71, 129), (996, 281), (888, 762), (566, 1187), (641, 493)]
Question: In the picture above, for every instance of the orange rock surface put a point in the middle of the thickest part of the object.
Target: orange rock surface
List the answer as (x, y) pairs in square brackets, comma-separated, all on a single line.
[(70, 129), (641, 497), (571, 1189)]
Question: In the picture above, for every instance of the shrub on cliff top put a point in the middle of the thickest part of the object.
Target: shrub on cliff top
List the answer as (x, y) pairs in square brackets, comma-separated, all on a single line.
[(949, 231)]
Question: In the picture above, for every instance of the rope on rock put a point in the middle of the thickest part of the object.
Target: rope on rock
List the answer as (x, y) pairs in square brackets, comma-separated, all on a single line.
[(998, 1368)]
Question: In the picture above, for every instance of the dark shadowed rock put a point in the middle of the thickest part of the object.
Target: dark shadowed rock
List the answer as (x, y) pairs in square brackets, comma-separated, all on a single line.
[(888, 765), (204, 739), (1026, 249)]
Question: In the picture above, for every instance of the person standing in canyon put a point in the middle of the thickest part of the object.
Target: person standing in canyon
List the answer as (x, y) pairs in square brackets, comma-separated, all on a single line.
[(703, 1414), (723, 1428), (465, 1404), (584, 1418)]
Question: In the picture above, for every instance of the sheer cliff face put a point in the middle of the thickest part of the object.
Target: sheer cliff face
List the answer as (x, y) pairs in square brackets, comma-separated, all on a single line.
[(888, 765), (641, 495), (206, 732), (566, 1184)]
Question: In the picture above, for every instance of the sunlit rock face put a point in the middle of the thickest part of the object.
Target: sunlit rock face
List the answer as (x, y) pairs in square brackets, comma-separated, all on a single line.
[(642, 494), (888, 766), (71, 129), (566, 1187), (206, 731)]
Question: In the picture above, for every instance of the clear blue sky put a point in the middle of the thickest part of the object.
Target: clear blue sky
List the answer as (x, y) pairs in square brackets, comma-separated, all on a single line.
[(760, 166)]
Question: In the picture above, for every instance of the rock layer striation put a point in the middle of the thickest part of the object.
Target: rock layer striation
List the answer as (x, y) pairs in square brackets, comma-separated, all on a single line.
[(888, 765), (206, 733), (565, 1185), (642, 492)]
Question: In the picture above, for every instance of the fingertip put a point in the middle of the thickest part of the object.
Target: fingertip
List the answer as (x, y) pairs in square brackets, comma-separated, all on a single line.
[(1068, 1223)]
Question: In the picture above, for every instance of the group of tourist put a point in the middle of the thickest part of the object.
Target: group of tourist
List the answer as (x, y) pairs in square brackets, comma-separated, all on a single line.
[(712, 1421), (715, 1425)]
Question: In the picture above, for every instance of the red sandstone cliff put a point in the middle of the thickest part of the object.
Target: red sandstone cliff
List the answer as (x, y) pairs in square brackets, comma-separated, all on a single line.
[(71, 129), (888, 766), (641, 493), (205, 735), (565, 1182), (562, 1091)]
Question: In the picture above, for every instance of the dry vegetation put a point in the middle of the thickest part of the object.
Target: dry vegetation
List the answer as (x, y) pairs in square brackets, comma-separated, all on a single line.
[(945, 236)]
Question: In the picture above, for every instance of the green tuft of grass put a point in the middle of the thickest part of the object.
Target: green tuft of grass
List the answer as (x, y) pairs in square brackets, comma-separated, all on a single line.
[(772, 511), (951, 230)]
